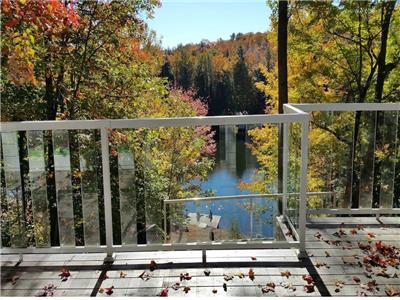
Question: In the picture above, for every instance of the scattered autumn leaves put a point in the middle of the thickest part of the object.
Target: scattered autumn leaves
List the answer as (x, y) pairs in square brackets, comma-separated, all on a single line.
[(377, 259)]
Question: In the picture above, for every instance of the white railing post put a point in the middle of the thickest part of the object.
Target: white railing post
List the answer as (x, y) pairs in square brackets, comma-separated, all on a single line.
[(165, 220), (285, 167), (303, 186), (105, 156)]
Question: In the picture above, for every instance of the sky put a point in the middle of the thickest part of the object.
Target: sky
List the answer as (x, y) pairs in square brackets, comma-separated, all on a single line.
[(190, 21)]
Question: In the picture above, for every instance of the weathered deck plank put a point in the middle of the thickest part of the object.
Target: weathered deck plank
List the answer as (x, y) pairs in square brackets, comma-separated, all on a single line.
[(83, 282)]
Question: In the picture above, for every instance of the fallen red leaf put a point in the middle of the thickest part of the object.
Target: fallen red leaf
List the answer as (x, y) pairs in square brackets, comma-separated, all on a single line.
[(64, 274), (270, 284), (164, 293), (122, 274), (286, 274), (309, 288), (152, 265), (185, 276), (308, 278), (378, 245), (354, 231), (109, 290), (251, 274), (356, 279)]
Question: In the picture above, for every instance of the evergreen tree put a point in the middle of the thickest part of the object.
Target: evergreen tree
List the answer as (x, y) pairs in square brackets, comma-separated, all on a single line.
[(222, 97), (243, 98), (203, 76), (166, 71), (184, 71)]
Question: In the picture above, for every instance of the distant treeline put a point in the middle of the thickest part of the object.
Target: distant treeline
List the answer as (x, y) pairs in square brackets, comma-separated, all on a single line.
[(224, 72)]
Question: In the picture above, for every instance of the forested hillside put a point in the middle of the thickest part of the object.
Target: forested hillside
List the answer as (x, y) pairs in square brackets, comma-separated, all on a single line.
[(224, 72)]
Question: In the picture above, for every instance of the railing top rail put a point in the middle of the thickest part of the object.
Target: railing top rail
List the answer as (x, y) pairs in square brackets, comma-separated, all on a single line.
[(151, 122), (295, 112), (309, 107), (245, 196)]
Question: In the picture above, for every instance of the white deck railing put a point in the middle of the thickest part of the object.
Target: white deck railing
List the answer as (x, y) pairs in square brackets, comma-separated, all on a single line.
[(294, 114), (105, 125), (389, 209)]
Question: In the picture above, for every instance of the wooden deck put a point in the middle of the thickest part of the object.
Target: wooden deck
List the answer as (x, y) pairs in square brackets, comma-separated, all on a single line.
[(341, 254)]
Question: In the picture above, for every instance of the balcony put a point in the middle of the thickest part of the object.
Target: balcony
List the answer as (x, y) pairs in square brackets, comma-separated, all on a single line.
[(102, 223)]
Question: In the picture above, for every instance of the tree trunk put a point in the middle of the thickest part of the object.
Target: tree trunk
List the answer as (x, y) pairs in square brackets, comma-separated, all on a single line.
[(282, 82), (386, 14), (49, 154), (351, 192)]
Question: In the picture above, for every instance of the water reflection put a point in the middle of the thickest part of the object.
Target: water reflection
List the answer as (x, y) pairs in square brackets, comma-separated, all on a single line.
[(237, 219)]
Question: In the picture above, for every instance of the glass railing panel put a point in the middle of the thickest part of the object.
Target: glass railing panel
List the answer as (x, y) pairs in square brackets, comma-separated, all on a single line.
[(13, 221), (89, 155), (127, 196), (365, 158), (396, 191), (293, 202), (386, 157), (62, 175), (341, 131), (294, 163), (245, 219), (230, 171), (331, 159), (38, 185), (158, 177)]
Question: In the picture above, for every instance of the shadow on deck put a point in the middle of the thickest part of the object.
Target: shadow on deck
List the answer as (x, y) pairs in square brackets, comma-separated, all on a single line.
[(334, 253)]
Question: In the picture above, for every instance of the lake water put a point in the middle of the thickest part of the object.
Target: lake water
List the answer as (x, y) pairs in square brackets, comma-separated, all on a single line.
[(234, 162)]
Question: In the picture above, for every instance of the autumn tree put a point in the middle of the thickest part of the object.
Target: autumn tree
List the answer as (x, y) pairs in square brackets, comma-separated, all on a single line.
[(333, 54), (94, 60)]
